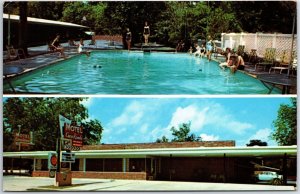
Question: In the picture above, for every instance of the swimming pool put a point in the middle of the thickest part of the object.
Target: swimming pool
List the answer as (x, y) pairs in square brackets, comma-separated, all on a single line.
[(122, 72)]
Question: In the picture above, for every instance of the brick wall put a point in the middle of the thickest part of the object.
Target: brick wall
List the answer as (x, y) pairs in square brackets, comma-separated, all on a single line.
[(40, 173), (160, 145), (99, 175), (110, 175), (116, 38)]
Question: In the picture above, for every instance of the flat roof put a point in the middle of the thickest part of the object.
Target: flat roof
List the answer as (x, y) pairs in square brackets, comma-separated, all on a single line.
[(256, 151), (43, 21)]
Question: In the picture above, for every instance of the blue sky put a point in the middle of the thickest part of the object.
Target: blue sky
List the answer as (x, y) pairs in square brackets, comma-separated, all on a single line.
[(141, 120)]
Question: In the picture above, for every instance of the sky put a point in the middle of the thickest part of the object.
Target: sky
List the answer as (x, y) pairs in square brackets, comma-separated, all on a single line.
[(144, 119)]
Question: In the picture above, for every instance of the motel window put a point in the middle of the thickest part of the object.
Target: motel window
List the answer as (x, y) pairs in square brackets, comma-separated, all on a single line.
[(113, 165), (94, 164)]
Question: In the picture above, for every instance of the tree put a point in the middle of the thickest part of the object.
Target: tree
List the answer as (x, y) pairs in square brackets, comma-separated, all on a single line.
[(40, 116), (92, 132), (257, 142), (286, 124), (181, 134), (162, 140)]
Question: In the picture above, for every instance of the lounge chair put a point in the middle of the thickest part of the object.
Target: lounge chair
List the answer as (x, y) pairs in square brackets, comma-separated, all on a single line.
[(240, 50), (13, 53), (268, 60), (283, 64)]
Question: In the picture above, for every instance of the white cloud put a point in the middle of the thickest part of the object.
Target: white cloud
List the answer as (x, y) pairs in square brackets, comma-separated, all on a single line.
[(206, 137), (87, 102), (188, 114), (209, 115), (144, 128), (263, 135), (131, 115)]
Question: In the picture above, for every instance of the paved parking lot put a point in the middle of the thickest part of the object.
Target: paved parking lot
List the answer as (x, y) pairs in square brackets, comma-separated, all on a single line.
[(21, 183)]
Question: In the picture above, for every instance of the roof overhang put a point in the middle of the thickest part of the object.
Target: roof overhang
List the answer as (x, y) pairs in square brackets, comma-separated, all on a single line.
[(42, 21), (266, 151)]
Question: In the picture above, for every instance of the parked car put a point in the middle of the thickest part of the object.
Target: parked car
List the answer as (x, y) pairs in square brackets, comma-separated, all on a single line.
[(269, 176)]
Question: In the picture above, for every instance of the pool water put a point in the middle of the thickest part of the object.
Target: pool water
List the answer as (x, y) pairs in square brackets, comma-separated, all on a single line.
[(122, 72)]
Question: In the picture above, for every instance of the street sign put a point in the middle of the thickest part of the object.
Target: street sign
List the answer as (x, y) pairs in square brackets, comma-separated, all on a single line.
[(52, 160), (67, 157)]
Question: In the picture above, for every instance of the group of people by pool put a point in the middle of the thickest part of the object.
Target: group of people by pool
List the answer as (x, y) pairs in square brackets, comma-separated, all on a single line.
[(233, 61), (146, 34), (56, 46)]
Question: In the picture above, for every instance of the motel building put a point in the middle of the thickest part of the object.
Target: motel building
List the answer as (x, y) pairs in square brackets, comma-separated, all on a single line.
[(207, 161)]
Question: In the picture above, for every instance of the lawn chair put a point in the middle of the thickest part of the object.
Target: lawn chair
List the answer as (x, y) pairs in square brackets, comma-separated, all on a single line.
[(240, 50), (13, 53), (268, 60), (283, 64)]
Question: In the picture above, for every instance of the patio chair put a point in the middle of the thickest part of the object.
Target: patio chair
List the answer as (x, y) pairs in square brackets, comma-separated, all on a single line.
[(13, 53), (240, 50), (268, 59), (283, 64)]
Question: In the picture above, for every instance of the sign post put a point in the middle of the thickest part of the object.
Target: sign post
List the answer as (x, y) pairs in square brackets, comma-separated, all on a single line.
[(69, 138)]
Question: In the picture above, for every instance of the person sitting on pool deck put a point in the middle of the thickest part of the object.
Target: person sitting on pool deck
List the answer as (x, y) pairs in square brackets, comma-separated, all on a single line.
[(229, 61), (57, 47), (239, 65), (202, 50), (80, 49), (197, 50)]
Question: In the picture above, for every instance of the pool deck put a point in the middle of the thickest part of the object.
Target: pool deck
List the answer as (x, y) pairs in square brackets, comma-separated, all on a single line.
[(40, 57)]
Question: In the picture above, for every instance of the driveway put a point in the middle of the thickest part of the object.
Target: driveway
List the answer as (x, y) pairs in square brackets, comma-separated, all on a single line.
[(19, 183)]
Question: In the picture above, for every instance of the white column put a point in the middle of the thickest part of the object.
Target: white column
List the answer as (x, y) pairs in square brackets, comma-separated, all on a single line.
[(84, 164), (34, 163), (124, 163)]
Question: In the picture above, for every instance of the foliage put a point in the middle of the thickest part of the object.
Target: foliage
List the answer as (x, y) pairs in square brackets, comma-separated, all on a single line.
[(286, 124), (181, 134), (170, 21), (95, 130), (85, 13), (40, 115), (257, 142), (164, 139)]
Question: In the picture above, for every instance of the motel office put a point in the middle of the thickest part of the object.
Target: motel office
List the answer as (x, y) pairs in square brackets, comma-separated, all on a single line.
[(213, 161)]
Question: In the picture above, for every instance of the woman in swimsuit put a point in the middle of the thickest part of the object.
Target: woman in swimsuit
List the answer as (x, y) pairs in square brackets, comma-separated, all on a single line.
[(209, 47), (56, 46), (146, 32), (128, 39)]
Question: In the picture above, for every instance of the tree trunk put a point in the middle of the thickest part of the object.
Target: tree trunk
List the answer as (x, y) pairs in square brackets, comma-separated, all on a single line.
[(23, 26)]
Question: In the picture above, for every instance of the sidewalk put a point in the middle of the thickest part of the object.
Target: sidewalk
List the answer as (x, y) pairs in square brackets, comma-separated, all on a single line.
[(41, 184)]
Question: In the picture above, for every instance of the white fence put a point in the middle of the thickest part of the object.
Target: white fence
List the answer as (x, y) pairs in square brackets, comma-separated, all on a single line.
[(260, 41)]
